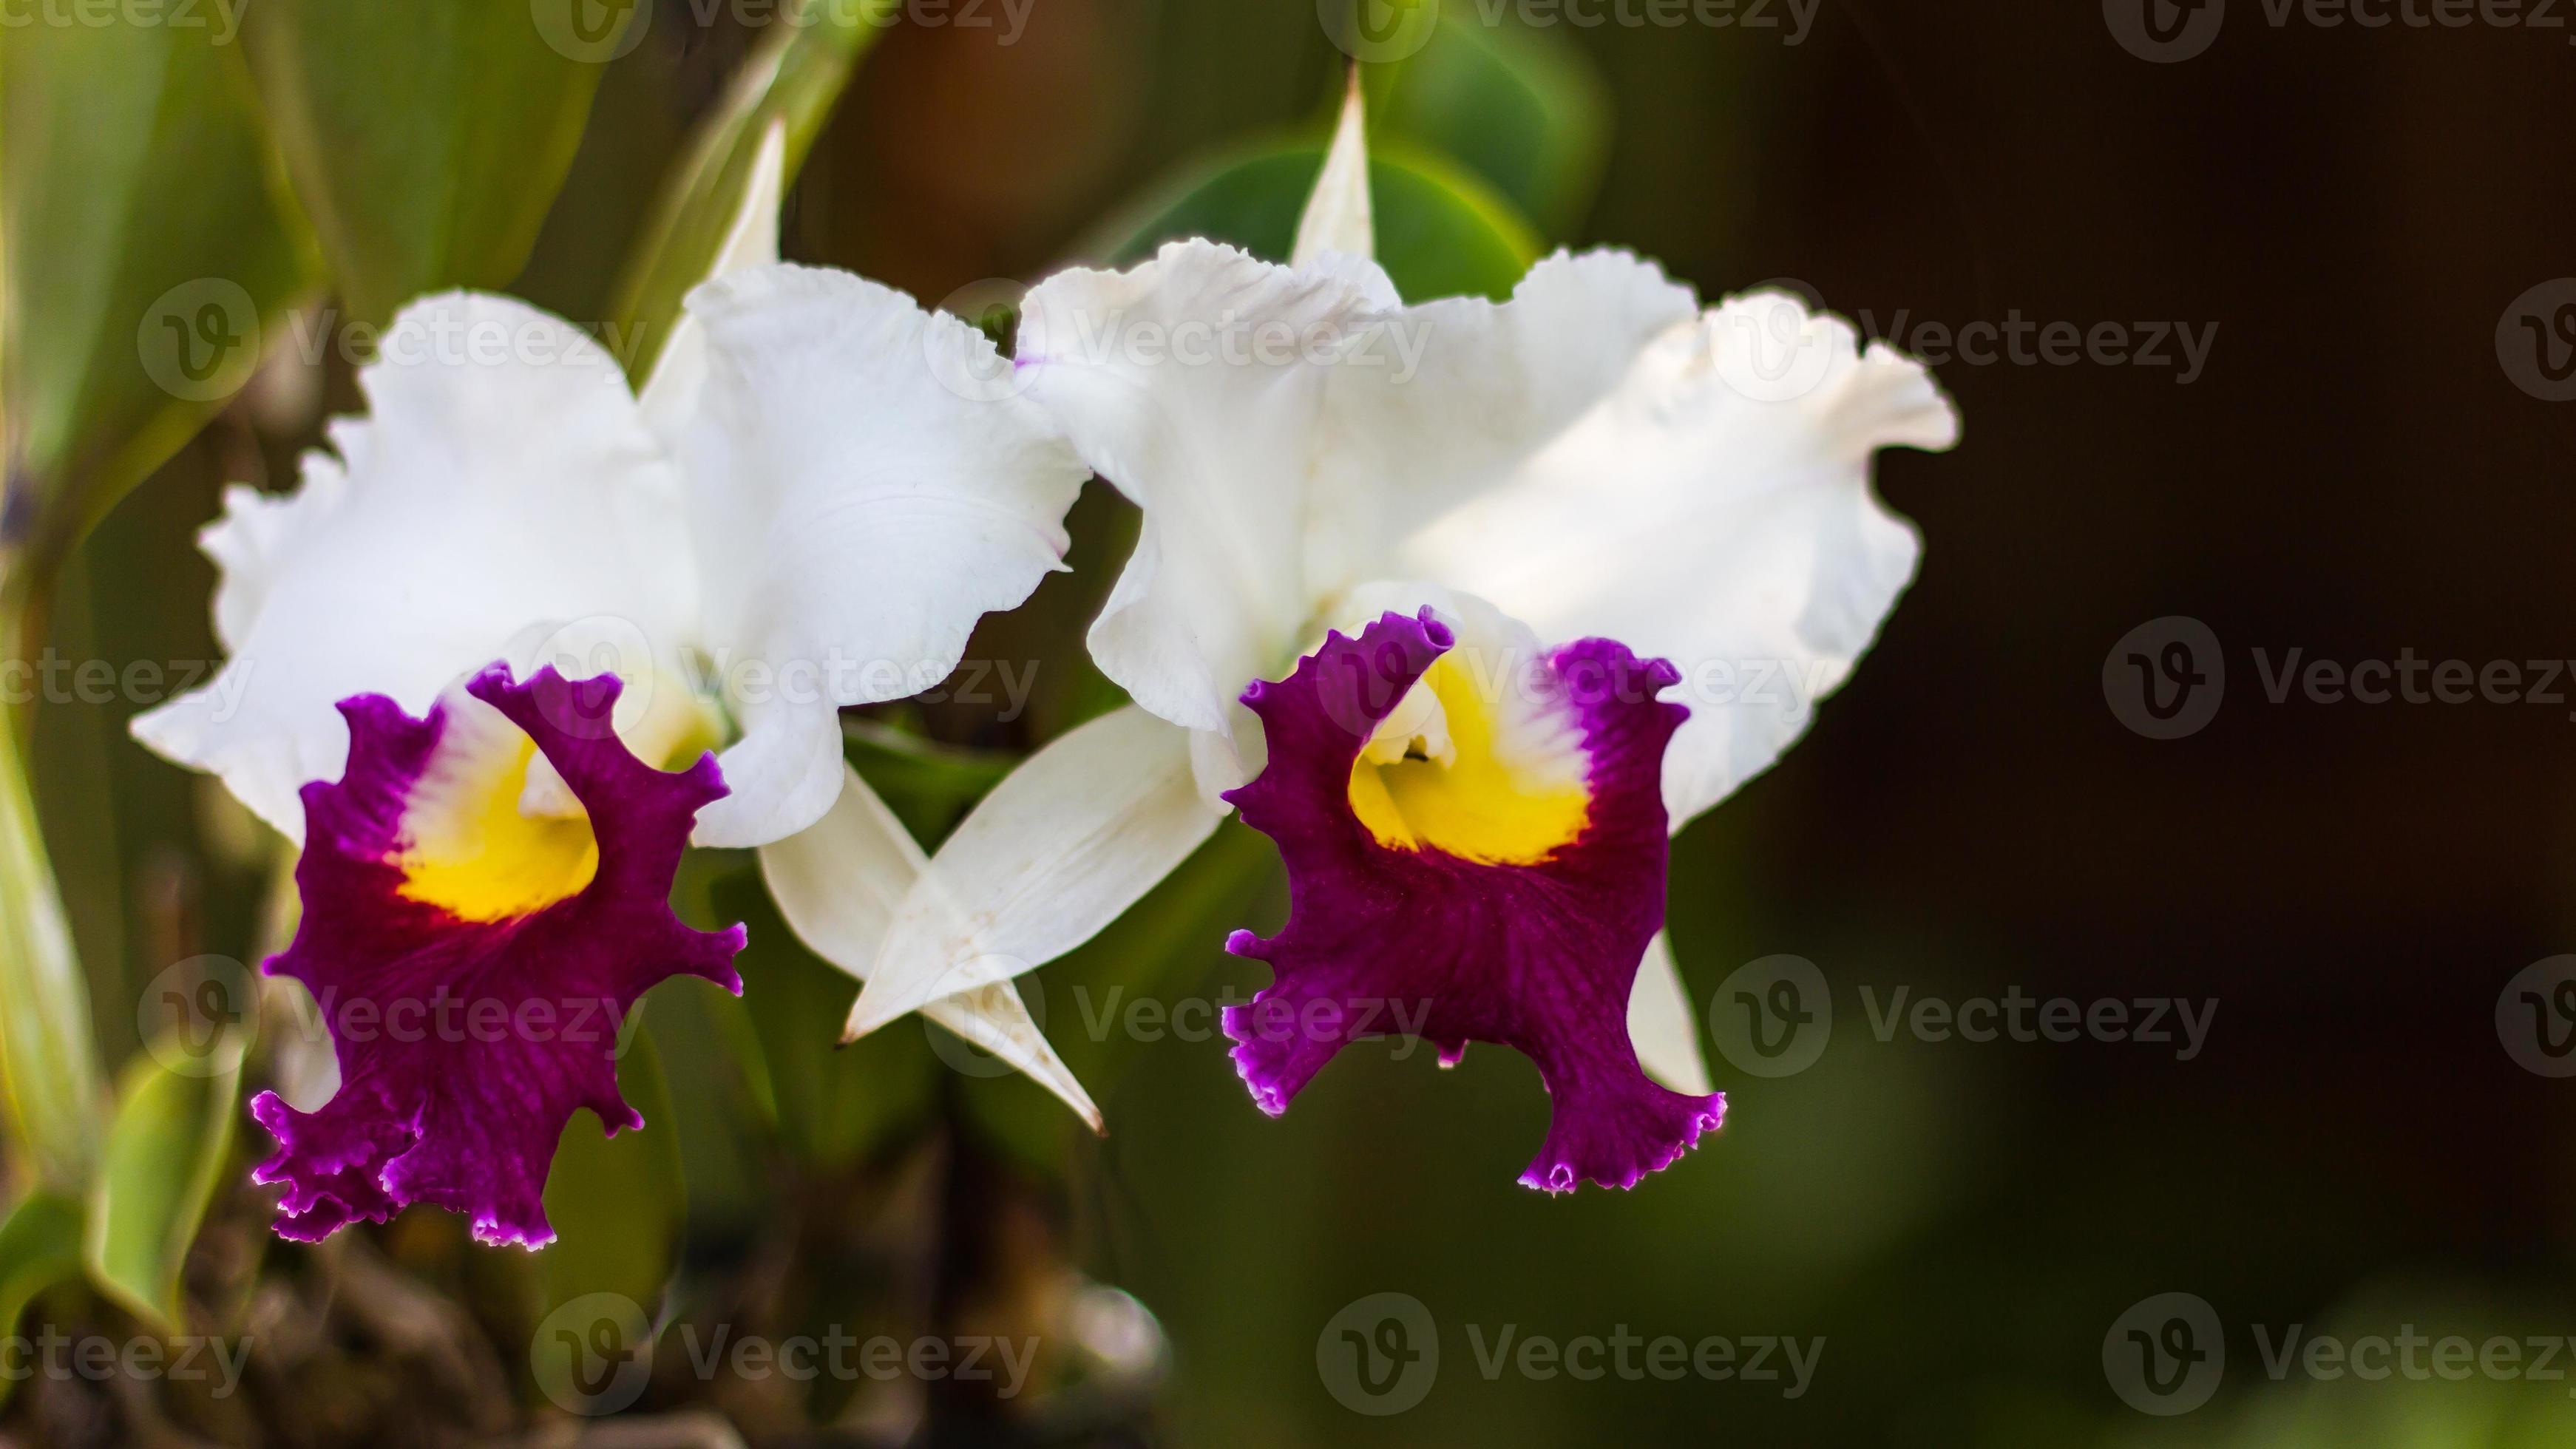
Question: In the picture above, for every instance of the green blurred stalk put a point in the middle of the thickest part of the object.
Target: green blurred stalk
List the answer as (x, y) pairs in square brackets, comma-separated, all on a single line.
[(48, 1062)]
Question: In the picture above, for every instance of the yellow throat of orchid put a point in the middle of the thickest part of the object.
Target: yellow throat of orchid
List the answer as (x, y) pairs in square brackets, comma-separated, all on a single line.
[(1453, 770), (475, 851)]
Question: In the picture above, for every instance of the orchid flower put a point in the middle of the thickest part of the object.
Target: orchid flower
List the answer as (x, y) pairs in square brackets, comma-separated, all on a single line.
[(792, 516), (1393, 563)]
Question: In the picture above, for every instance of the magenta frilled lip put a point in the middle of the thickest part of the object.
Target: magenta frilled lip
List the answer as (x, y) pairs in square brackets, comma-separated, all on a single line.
[(1538, 956), (466, 1045)]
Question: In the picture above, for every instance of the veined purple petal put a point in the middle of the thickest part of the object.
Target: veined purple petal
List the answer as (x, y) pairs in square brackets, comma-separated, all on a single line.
[(1537, 956), (466, 1044)]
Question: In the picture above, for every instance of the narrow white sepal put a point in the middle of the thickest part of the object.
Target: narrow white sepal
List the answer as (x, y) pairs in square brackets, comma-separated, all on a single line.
[(1336, 218), (752, 241), (1662, 1025), (1062, 847), (839, 882)]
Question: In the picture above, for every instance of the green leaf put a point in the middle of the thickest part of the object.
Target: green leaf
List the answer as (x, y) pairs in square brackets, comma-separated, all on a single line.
[(165, 1149), (795, 74), (40, 1246), (48, 1059), (834, 1105), (1523, 109), (426, 138), (1441, 232), (148, 251), (618, 1204)]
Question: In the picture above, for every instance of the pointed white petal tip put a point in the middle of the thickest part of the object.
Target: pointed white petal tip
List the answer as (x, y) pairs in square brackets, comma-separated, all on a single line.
[(1337, 218)]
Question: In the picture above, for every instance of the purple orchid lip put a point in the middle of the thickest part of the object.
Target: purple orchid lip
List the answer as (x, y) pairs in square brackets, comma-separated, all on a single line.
[(1538, 956), (467, 1118)]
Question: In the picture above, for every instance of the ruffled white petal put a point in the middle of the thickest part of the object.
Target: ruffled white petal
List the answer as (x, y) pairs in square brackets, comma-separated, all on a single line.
[(1058, 850), (1450, 399), (853, 517), (1661, 1024), (839, 883), (502, 479), (1714, 509), (1194, 383)]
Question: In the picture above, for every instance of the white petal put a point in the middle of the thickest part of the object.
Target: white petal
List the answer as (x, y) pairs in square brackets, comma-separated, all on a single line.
[(853, 517), (839, 882), (1713, 509), (1058, 850), (1134, 366), (1662, 1025), (501, 480), (1456, 395), (1336, 218), (671, 394)]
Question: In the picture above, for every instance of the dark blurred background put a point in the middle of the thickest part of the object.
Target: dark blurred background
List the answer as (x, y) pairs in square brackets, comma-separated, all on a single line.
[(2353, 472)]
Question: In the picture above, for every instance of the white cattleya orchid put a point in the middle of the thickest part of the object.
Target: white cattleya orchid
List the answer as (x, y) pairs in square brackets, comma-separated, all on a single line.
[(1597, 456), (791, 516)]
